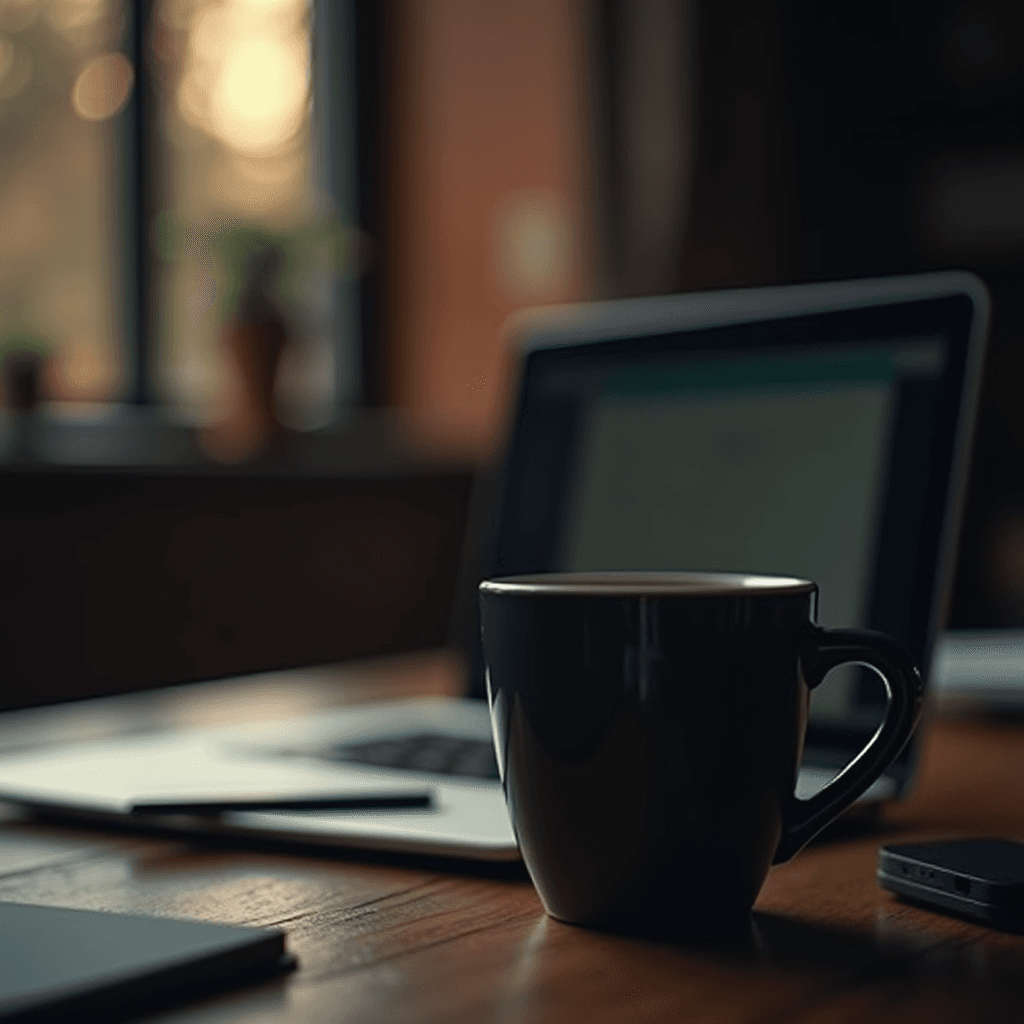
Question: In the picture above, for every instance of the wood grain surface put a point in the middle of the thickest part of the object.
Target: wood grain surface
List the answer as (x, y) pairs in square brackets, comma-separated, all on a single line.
[(399, 939)]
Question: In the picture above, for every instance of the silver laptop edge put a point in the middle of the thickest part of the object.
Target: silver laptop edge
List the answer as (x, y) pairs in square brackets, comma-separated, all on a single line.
[(554, 326)]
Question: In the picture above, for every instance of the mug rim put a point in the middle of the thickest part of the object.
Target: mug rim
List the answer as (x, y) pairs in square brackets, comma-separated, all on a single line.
[(641, 584)]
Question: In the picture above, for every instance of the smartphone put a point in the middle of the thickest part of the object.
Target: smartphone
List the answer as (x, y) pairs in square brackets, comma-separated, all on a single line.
[(978, 878)]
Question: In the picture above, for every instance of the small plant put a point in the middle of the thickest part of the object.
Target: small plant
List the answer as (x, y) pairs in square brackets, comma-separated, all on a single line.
[(322, 244), (23, 342), (22, 353)]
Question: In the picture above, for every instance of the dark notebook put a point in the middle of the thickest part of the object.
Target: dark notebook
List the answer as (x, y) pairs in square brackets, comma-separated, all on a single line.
[(60, 964)]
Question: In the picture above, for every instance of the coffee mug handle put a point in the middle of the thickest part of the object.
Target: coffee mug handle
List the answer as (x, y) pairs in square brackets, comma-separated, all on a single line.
[(827, 648)]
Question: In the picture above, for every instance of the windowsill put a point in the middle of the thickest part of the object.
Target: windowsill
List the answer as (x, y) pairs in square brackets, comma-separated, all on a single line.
[(80, 436)]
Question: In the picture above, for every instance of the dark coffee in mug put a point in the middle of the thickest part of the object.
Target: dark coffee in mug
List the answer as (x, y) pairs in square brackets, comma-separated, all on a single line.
[(649, 730)]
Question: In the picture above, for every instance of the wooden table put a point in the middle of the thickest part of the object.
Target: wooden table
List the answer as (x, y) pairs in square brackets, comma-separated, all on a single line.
[(395, 940)]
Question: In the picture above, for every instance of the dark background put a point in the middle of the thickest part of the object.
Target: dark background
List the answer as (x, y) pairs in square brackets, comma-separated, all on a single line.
[(819, 141), (850, 140)]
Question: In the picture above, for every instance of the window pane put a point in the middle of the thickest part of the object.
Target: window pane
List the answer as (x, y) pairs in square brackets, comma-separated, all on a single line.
[(236, 166), (63, 84)]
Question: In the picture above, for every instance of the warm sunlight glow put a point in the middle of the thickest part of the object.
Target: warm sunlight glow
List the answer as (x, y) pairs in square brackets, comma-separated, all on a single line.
[(260, 99), (246, 78), (237, 96), (271, 8), (102, 87), (212, 28), (192, 102), (86, 371)]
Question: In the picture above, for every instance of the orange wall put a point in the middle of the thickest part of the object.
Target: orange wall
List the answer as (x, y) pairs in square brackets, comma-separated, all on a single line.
[(491, 136)]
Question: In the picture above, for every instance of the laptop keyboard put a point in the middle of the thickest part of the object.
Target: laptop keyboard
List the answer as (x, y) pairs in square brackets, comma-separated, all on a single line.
[(426, 752)]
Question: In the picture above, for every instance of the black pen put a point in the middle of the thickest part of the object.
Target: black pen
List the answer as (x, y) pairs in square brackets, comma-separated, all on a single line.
[(325, 802)]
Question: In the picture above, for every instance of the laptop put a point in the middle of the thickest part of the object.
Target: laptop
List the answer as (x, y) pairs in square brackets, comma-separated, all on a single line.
[(820, 431)]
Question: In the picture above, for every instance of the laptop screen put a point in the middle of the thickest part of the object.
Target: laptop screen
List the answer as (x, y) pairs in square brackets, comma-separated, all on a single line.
[(818, 446)]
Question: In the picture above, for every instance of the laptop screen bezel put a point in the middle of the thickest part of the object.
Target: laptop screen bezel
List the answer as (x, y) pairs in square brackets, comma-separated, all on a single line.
[(953, 307)]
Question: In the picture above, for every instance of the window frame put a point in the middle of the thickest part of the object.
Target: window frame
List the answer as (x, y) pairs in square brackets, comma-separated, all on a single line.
[(365, 32)]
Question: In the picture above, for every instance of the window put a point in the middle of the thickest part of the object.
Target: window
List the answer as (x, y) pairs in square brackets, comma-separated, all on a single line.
[(64, 85), (237, 163), (175, 135)]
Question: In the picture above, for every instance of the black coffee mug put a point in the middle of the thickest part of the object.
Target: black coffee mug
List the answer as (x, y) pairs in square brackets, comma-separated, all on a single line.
[(649, 729)]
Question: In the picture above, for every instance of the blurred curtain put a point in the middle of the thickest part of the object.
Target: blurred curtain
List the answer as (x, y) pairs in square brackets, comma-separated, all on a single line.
[(690, 153)]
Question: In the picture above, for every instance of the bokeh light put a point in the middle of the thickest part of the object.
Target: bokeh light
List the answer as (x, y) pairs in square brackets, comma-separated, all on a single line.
[(246, 80), (102, 87), (259, 101), (67, 16), (236, 96), (86, 368), (87, 25)]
